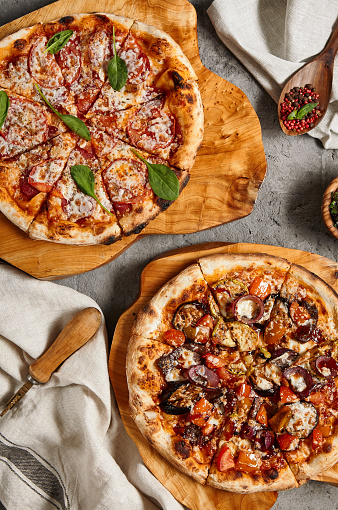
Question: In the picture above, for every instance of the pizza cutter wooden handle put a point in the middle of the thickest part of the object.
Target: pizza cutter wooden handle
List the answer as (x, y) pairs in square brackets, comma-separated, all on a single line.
[(75, 334)]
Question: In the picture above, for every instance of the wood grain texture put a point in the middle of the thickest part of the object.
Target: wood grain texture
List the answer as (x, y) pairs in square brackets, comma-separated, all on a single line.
[(156, 274), (229, 167), (318, 72), (326, 215)]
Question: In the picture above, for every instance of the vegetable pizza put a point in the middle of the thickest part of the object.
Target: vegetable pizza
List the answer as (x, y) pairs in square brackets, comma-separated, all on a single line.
[(232, 371), (100, 122)]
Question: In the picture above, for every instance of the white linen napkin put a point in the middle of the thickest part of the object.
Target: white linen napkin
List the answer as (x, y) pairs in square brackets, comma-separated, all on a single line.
[(274, 38), (64, 445)]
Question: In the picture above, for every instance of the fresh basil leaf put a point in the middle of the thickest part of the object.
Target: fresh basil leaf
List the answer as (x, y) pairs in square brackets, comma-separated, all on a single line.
[(4, 105), (85, 180), (58, 41), (117, 70), (307, 108), (74, 123), (292, 115), (162, 180)]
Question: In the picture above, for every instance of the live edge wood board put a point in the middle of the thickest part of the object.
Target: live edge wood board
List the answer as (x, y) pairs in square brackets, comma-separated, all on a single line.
[(228, 171), (156, 274)]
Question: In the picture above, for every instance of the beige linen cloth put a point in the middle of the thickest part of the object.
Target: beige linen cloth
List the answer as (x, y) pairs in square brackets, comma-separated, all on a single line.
[(274, 38), (64, 445)]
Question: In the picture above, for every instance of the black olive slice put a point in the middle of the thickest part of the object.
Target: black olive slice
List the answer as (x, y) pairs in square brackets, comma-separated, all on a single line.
[(247, 432), (284, 358), (187, 315), (172, 409), (303, 419), (299, 379), (264, 440), (326, 367)]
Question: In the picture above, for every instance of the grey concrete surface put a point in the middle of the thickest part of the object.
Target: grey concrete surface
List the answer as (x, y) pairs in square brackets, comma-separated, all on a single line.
[(286, 213)]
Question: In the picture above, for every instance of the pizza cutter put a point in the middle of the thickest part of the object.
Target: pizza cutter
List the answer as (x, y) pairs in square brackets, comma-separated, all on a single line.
[(74, 335)]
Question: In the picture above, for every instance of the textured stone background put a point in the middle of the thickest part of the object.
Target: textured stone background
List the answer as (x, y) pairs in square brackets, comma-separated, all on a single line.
[(287, 211)]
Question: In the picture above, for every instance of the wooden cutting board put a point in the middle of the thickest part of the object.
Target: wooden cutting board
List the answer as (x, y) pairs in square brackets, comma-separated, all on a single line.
[(229, 168), (156, 274)]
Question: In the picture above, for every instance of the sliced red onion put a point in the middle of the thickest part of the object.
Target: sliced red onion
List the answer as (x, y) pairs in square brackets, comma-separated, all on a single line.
[(264, 439), (200, 374), (326, 366), (283, 358), (300, 380), (247, 432), (242, 317), (305, 333)]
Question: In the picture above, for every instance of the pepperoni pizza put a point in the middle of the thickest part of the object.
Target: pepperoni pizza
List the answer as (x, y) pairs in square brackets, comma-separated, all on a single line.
[(61, 108), (232, 370)]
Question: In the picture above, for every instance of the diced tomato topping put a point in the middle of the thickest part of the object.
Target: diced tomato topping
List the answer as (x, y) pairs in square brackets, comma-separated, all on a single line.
[(225, 460), (247, 462), (207, 321), (274, 332), (213, 361), (262, 416), (201, 412), (327, 428), (122, 208), (316, 398), (174, 337), (209, 427), (285, 440), (244, 390), (317, 439), (298, 313), (287, 395), (228, 430), (260, 288), (226, 376), (203, 334)]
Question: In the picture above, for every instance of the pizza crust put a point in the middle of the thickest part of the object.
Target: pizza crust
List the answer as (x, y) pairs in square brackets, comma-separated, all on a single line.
[(155, 318)]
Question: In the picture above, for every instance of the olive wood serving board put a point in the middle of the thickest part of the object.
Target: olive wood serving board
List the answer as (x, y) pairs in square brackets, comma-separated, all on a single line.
[(187, 491), (228, 171)]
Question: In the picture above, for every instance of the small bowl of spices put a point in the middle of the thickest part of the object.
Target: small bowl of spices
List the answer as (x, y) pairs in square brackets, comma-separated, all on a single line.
[(330, 207)]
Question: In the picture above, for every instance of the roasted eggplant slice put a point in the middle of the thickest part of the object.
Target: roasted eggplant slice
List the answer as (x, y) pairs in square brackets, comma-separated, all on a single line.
[(181, 399), (303, 419), (226, 292), (173, 365), (187, 315), (284, 358)]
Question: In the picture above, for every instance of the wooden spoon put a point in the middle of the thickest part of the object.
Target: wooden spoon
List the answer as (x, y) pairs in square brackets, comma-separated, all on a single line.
[(318, 72)]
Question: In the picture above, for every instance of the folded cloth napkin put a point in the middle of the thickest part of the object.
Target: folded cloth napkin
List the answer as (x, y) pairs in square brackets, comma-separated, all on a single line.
[(64, 445), (274, 38)]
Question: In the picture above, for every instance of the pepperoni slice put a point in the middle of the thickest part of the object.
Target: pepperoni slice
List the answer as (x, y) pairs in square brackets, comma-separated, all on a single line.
[(151, 128), (26, 123), (99, 50), (27, 189), (103, 144), (138, 65), (44, 175), (126, 181), (43, 66), (69, 60)]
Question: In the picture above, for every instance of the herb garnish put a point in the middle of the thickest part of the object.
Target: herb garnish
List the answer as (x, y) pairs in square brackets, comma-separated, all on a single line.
[(117, 70), (162, 180), (84, 179), (74, 123), (333, 207), (300, 114), (58, 41), (4, 105)]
